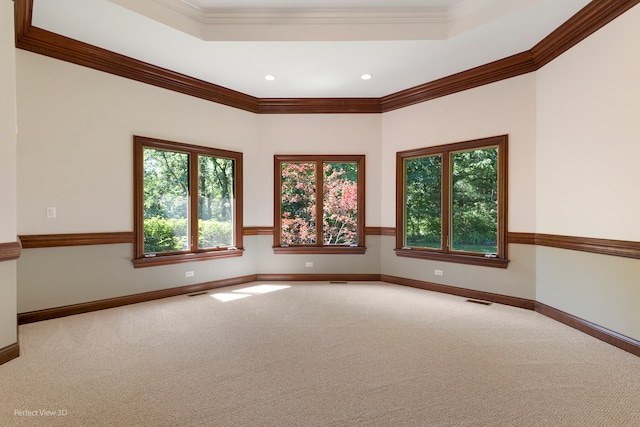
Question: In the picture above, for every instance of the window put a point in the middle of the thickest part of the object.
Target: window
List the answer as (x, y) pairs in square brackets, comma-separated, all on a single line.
[(310, 187), (188, 202), (452, 202)]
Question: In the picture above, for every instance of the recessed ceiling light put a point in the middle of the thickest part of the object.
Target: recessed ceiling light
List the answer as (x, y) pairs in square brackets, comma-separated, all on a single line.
[(366, 76), (270, 77)]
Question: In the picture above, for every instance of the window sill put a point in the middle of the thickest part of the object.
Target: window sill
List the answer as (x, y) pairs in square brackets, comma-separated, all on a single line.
[(350, 250), (190, 257), (456, 258)]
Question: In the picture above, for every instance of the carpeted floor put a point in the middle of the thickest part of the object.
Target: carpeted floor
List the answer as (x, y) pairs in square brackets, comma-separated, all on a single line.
[(316, 354)]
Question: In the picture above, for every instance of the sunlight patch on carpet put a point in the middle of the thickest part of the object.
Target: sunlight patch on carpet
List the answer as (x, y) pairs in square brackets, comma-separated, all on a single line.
[(262, 289), (247, 292), (224, 297)]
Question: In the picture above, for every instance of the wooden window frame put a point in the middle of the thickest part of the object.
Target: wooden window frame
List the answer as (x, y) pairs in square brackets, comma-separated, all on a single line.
[(194, 253), (445, 254), (319, 247)]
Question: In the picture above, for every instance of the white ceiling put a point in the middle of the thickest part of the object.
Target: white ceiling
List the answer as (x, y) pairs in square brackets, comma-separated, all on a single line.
[(315, 48)]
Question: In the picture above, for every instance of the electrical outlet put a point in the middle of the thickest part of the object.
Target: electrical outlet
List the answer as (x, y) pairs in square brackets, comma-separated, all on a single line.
[(309, 264), (438, 272), (188, 274), (51, 212)]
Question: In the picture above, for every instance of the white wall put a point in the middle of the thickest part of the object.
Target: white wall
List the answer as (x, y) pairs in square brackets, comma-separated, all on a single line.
[(75, 154), (588, 151), (316, 134), (588, 104), (76, 141), (8, 140), (506, 107)]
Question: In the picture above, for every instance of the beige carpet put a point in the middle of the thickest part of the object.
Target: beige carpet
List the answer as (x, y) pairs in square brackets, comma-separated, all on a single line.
[(317, 354)]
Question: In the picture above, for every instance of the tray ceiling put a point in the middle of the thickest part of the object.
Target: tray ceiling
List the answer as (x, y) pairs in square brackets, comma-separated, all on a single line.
[(315, 48)]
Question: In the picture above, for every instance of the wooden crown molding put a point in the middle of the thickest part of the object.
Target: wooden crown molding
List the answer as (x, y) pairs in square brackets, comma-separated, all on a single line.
[(318, 105), (511, 66), (10, 251), (587, 21), (44, 42), (591, 18)]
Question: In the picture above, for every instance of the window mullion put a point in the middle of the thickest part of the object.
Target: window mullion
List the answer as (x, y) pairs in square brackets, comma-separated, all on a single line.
[(319, 203), (193, 202), (446, 201)]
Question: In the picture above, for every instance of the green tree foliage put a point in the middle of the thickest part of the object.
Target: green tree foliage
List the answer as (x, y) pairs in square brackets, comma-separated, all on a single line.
[(474, 200), (160, 236), (215, 188), (166, 183), (215, 202), (423, 201), (166, 201), (212, 233), (473, 204)]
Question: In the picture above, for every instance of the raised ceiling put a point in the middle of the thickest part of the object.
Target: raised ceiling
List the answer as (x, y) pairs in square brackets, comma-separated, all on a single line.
[(315, 48)]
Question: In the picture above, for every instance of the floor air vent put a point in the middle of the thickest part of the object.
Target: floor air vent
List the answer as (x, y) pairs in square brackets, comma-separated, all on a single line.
[(338, 282), (475, 301)]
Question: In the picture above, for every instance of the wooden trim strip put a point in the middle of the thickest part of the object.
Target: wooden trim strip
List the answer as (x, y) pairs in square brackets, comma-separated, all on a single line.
[(591, 18), (462, 292), (76, 239), (453, 257), (81, 239), (369, 231), (22, 14), (10, 251), (502, 69), (603, 334), (319, 277), (186, 257), (521, 238), (595, 15), (86, 307), (587, 21), (622, 248), (380, 231), (317, 250), (44, 42), (258, 231), (9, 353), (318, 105)]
